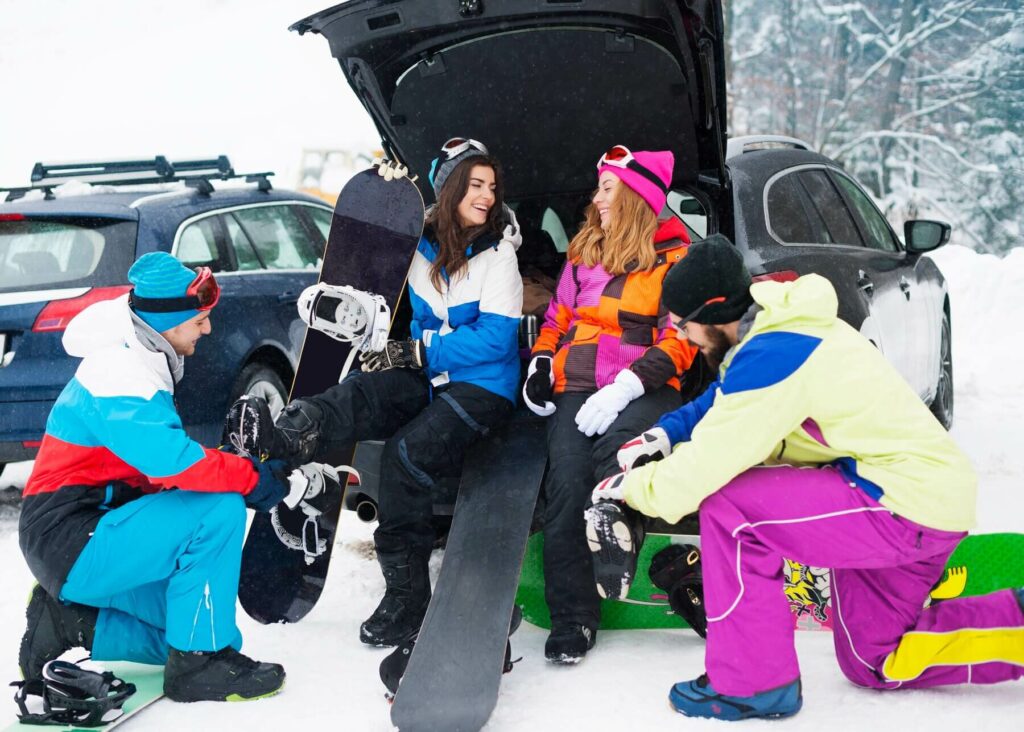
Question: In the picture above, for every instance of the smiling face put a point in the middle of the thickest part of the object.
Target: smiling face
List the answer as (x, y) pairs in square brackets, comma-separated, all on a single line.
[(479, 197), (607, 185), (183, 337)]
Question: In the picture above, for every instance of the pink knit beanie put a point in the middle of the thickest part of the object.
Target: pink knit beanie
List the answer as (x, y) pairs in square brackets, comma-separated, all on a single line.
[(657, 165)]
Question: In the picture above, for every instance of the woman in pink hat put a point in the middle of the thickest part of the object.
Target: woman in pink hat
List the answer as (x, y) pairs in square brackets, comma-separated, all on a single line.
[(605, 366)]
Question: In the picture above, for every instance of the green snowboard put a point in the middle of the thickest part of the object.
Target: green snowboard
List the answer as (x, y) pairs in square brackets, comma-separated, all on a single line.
[(982, 563), (149, 687)]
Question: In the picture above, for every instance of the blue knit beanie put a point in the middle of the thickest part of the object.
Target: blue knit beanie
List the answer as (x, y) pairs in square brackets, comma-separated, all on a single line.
[(159, 275)]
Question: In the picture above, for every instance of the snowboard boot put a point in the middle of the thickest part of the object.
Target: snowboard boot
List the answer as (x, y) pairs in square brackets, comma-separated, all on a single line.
[(400, 613), (568, 643), (53, 628), (294, 438), (614, 535), (698, 698), (224, 675), (1019, 592)]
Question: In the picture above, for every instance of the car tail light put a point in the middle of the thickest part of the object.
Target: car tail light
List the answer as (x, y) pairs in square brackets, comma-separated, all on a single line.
[(57, 314), (785, 275), (12, 217), (31, 443)]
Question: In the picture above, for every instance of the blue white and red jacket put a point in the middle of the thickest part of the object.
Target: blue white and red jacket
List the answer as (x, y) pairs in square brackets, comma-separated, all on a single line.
[(112, 436)]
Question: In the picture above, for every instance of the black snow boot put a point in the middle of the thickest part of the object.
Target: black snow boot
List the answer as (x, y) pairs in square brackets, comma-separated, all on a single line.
[(400, 614), (53, 628), (224, 675), (569, 643)]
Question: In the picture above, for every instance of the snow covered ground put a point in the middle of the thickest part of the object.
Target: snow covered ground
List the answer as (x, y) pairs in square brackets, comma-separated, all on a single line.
[(624, 682)]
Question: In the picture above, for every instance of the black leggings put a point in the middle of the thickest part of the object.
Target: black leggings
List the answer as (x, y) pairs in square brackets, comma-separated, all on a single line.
[(426, 438), (576, 463)]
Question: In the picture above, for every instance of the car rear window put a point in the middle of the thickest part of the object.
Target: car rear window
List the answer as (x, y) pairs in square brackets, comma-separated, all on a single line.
[(64, 252)]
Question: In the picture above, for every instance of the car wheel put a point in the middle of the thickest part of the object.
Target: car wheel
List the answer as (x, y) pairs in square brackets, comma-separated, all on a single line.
[(260, 380), (942, 403)]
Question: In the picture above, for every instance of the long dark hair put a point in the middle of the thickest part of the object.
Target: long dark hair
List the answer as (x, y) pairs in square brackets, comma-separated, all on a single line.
[(452, 237)]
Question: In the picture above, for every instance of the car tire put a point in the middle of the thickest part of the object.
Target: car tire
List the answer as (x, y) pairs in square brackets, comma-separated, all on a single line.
[(258, 379), (942, 403)]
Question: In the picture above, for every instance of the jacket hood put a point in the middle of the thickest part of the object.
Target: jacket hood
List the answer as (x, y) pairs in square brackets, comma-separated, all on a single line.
[(101, 325), (671, 228), (808, 304)]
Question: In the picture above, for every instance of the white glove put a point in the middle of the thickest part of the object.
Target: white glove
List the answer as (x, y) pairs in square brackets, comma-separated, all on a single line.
[(512, 234), (644, 448), (390, 169), (600, 410), (540, 380), (612, 488)]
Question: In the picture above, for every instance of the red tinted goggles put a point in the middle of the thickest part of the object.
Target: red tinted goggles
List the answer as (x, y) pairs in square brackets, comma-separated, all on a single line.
[(202, 294), (620, 156), (459, 145)]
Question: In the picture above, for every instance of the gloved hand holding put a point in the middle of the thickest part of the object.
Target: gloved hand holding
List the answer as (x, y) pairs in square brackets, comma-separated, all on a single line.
[(390, 169), (611, 488), (272, 486), (600, 410), (512, 233), (408, 354), (646, 447), (539, 385)]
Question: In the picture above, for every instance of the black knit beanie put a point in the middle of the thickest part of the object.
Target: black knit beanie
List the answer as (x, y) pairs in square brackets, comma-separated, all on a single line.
[(711, 285)]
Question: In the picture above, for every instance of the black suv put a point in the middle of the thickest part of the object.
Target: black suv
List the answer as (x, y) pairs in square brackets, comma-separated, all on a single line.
[(550, 84)]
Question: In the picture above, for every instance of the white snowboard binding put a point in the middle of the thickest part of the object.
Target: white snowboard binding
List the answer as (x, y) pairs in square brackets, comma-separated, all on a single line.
[(347, 315)]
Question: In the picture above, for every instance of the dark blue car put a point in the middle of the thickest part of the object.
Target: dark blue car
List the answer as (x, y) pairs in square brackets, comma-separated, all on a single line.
[(72, 246)]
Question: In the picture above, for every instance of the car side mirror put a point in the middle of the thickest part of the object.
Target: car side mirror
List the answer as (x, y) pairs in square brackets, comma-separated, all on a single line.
[(923, 236)]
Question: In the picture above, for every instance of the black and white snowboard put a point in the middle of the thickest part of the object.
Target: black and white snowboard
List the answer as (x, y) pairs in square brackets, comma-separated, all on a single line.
[(451, 682), (374, 232)]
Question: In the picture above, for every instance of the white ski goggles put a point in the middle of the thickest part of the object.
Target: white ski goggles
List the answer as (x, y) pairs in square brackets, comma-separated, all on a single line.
[(458, 145)]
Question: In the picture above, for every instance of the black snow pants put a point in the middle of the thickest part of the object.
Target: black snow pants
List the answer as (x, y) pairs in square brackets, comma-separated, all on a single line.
[(576, 463), (427, 431)]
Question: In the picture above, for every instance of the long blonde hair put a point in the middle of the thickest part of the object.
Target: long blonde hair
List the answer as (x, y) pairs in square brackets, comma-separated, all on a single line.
[(629, 241)]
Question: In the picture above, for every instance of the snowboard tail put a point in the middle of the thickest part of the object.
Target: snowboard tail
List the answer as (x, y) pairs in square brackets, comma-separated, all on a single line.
[(453, 675), (375, 229)]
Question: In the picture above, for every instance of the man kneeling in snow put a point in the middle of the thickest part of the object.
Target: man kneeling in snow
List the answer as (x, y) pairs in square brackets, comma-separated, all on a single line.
[(809, 446), (134, 530)]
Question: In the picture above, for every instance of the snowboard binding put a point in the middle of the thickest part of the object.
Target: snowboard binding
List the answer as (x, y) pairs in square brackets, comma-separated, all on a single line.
[(72, 695), (310, 495), (676, 569), (347, 315)]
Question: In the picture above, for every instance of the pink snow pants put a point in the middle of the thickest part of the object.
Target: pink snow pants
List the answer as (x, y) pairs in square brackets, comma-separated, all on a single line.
[(883, 568)]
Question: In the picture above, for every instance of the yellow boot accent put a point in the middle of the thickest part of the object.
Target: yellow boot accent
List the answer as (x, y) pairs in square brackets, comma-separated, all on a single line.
[(952, 585), (919, 651)]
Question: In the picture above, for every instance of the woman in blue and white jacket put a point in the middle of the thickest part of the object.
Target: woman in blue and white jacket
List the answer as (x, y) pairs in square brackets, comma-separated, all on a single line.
[(431, 396)]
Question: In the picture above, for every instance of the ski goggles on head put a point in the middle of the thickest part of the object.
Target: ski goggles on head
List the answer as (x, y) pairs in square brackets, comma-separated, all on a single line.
[(458, 145), (202, 294), (620, 156)]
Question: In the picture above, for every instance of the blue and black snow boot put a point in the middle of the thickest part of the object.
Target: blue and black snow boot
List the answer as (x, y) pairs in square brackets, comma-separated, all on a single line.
[(698, 698), (1020, 597), (52, 628)]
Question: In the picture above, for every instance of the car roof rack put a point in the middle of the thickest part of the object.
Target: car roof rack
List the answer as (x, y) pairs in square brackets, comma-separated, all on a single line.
[(194, 173), (750, 143)]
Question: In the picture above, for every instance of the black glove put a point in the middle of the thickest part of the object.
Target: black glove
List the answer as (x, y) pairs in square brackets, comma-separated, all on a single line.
[(539, 386), (676, 569), (396, 355), (272, 486)]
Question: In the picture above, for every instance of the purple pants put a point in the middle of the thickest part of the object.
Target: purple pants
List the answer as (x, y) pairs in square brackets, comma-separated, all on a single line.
[(883, 568)]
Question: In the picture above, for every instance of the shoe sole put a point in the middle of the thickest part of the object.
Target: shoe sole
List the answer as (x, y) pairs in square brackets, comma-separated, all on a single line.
[(611, 544), (222, 698), (773, 715), (565, 660)]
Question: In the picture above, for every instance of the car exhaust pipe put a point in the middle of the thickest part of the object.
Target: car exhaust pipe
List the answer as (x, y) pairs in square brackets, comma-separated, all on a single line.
[(366, 510)]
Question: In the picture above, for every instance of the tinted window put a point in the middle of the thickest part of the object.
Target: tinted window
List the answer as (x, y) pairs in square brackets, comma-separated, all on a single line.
[(69, 252), (198, 244), (829, 205), (878, 232), (690, 211), (553, 226), (245, 255), (322, 219), (788, 214), (278, 236)]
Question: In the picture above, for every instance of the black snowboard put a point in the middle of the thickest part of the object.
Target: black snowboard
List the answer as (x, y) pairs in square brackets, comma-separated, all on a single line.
[(452, 679), (376, 227)]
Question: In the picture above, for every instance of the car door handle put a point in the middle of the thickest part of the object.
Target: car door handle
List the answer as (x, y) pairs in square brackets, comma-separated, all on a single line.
[(905, 286), (864, 282), (288, 298)]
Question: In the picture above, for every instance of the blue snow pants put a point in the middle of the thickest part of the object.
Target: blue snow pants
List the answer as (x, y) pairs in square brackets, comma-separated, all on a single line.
[(163, 571)]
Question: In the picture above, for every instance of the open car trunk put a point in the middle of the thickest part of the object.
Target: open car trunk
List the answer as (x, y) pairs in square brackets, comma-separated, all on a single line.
[(547, 85)]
